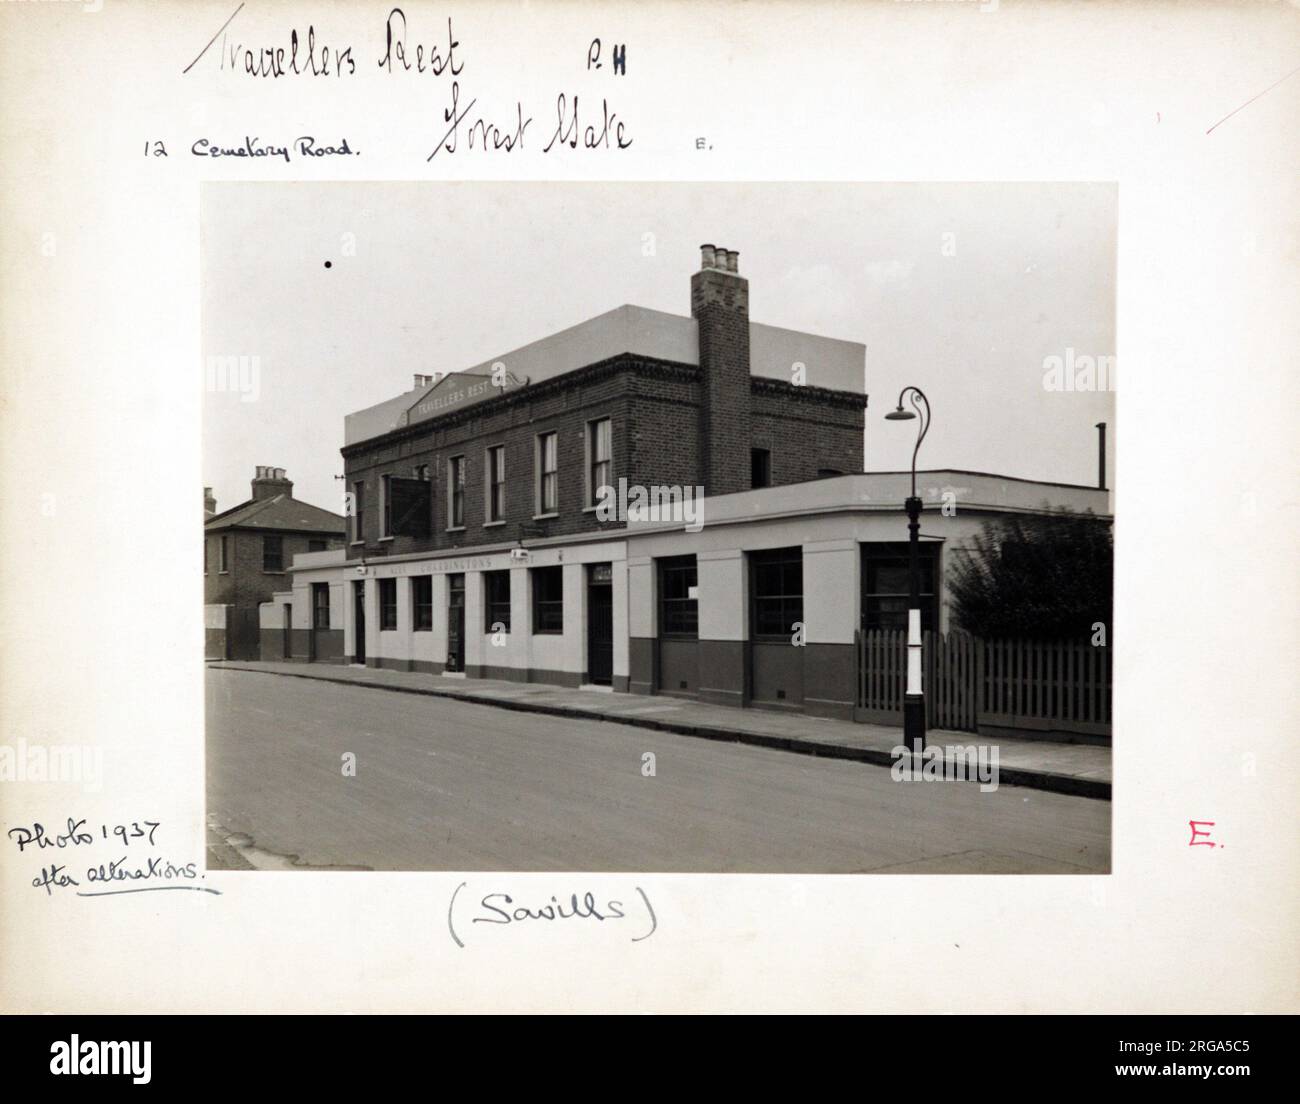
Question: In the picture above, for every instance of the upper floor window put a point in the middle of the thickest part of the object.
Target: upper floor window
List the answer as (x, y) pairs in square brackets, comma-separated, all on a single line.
[(599, 450), (548, 478), (496, 483), (388, 604), (272, 553), (316, 546), (760, 467), (358, 499), (456, 492), (205, 555), (385, 507), (223, 559)]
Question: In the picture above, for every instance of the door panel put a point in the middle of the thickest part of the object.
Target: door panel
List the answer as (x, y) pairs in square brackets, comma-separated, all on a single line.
[(359, 622), (600, 625), (455, 623)]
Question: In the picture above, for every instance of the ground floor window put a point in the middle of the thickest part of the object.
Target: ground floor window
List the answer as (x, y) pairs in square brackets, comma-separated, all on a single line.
[(422, 602), (885, 585), (776, 586), (496, 601), (679, 608), (548, 599), (320, 605), (388, 604)]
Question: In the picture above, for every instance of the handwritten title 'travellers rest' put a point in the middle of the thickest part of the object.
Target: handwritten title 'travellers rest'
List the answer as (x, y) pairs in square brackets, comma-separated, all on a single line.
[(290, 55)]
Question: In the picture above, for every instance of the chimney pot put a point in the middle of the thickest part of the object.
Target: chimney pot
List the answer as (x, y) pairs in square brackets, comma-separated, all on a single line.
[(269, 482), (733, 259), (707, 257)]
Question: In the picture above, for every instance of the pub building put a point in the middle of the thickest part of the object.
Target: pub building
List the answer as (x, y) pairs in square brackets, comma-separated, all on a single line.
[(481, 544)]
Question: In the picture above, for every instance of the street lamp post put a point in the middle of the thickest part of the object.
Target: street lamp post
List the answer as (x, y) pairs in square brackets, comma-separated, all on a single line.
[(914, 696)]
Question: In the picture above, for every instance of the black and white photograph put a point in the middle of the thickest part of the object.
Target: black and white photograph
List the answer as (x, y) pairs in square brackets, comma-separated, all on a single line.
[(710, 507), (542, 536)]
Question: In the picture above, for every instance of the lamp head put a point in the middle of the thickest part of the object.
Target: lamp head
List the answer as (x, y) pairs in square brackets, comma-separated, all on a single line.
[(899, 415)]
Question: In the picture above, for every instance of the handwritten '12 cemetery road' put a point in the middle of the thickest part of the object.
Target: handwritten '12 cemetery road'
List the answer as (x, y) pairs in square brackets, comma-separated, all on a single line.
[(447, 785)]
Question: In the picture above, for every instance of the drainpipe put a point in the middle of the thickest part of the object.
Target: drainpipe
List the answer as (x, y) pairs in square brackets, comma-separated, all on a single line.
[(1101, 456)]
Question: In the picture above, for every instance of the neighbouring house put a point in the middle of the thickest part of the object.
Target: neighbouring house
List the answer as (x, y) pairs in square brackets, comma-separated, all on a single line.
[(247, 553)]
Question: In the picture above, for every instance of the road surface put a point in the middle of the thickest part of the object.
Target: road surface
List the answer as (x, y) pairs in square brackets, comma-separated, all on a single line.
[(448, 785)]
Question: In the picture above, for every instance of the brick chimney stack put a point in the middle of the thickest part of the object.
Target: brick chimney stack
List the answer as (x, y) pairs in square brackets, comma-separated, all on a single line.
[(720, 306), (269, 482), (209, 502)]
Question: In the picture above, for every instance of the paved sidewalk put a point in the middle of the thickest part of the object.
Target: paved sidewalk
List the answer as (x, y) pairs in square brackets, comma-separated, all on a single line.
[(1080, 769)]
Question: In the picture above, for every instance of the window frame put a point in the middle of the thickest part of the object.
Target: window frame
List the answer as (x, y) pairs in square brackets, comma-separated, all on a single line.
[(457, 472), (279, 556), (387, 601), (358, 511), (672, 566), (541, 615), (317, 622), (873, 555), (765, 559), (595, 478), (385, 508), (223, 556), (755, 453), (492, 606), (494, 484), (421, 611), (543, 474)]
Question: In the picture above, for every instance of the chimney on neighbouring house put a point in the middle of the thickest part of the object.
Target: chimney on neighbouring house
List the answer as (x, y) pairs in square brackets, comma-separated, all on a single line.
[(269, 482), (720, 307), (422, 380), (209, 503)]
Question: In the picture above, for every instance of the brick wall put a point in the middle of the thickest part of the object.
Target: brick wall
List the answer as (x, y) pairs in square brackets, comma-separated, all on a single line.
[(658, 439), (643, 400), (246, 584), (807, 429), (720, 304)]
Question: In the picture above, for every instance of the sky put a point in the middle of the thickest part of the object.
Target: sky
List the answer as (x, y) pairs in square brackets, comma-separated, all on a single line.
[(963, 290)]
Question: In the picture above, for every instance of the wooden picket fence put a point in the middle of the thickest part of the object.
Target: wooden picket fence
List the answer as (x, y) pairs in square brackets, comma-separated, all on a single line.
[(1034, 686)]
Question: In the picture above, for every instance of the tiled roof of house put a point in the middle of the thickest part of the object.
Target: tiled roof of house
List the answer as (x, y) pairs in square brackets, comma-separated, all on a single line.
[(280, 512)]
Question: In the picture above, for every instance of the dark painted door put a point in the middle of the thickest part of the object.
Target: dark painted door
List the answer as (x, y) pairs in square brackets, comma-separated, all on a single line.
[(455, 623), (600, 625), (359, 622)]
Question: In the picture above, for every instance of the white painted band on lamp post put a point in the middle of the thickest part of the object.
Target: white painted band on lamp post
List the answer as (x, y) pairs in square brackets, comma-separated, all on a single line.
[(914, 651)]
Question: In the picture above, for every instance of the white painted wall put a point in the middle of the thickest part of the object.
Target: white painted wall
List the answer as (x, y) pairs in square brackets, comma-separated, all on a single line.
[(831, 601), (723, 601)]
